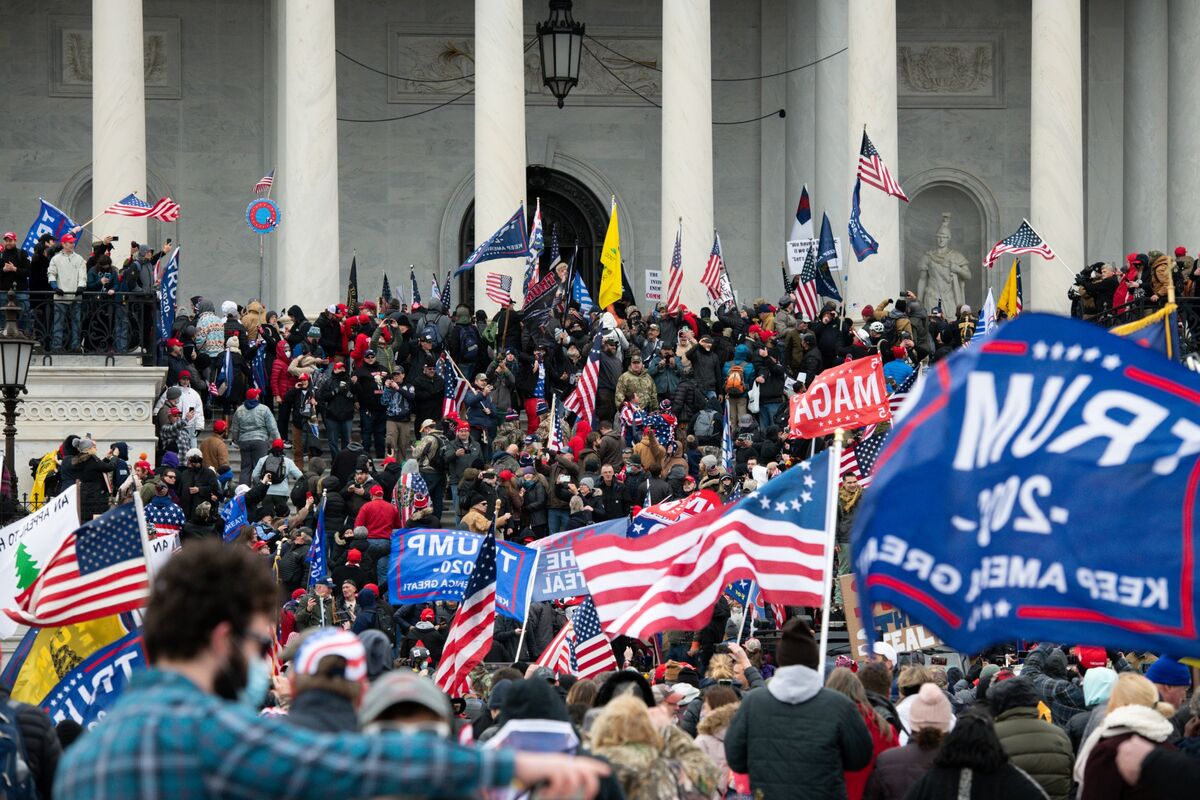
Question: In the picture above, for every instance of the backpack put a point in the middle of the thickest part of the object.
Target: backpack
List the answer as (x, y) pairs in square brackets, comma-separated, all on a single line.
[(437, 459), (468, 343), (706, 424), (735, 381), (18, 779), (274, 466), (431, 329)]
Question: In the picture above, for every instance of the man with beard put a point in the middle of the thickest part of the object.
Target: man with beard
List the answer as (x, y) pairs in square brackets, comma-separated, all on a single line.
[(189, 725)]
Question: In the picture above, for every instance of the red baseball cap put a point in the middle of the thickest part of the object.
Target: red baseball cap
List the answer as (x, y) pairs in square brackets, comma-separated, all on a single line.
[(183, 373), (428, 615), (277, 444), (1091, 656), (376, 491), (173, 342), (253, 394), (10, 235), (220, 426), (68, 238), (354, 557)]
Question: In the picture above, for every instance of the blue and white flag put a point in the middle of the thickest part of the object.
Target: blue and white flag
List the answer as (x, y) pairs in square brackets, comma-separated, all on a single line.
[(826, 246), (235, 515), (727, 442), (557, 575), (318, 562), (537, 243), (509, 241), (435, 291), (416, 293), (1049, 438), (580, 295), (258, 367), (168, 293), (49, 220), (986, 321), (84, 693), (861, 240)]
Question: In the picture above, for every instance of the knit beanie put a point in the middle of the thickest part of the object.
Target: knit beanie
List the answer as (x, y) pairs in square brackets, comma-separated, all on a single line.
[(1169, 672), (929, 709), (797, 645), (989, 671)]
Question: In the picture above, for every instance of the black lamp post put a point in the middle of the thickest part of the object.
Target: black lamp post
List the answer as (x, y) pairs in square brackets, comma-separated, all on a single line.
[(560, 42), (16, 352)]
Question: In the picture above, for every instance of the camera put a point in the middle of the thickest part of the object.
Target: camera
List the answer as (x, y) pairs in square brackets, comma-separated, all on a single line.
[(721, 647)]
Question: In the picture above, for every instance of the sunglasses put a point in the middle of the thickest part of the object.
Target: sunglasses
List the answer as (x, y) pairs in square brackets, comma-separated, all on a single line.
[(265, 643)]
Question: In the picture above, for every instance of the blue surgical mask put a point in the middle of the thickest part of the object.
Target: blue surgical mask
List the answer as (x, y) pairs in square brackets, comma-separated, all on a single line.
[(258, 680)]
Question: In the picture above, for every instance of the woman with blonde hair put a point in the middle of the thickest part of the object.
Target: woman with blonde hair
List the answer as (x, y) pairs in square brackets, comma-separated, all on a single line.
[(1133, 710), (652, 759), (732, 669), (882, 736)]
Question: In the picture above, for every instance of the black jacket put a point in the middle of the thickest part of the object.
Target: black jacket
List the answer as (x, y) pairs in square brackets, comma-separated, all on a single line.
[(427, 400), (706, 368), (42, 749), (205, 480), (323, 711), (18, 280), (1006, 783), (337, 398)]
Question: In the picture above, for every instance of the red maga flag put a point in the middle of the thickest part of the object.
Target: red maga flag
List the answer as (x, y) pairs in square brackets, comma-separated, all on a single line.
[(849, 395)]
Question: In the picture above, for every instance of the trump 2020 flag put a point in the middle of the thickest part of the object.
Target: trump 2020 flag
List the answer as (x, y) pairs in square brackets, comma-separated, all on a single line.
[(235, 516), (510, 241), (168, 293), (1049, 439), (49, 220)]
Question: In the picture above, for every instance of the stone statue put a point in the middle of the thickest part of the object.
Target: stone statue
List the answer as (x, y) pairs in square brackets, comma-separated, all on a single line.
[(943, 272)]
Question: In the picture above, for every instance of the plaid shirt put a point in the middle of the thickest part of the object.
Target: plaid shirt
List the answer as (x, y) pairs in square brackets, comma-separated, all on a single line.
[(165, 739)]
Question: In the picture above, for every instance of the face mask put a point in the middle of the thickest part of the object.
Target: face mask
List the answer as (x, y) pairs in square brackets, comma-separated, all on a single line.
[(258, 680)]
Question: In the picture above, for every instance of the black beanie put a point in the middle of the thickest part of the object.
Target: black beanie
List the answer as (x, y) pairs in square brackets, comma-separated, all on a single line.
[(797, 645)]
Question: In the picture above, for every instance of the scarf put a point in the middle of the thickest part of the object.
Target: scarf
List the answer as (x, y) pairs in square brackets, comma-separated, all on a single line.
[(250, 404)]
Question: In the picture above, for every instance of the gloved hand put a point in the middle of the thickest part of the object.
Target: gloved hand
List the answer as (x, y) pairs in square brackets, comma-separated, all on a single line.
[(59, 291), (79, 291)]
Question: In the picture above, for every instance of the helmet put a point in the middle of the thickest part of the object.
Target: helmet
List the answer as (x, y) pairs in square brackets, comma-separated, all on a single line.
[(875, 327)]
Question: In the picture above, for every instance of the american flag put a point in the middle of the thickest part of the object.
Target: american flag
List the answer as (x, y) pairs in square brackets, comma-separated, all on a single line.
[(435, 291), (591, 652), (165, 209), (671, 579), (807, 301), (874, 172), (265, 182), (386, 292), (411, 493), (455, 388), (537, 242), (714, 278), (99, 570), (555, 255), (557, 440), (446, 290), (859, 458), (416, 293), (896, 398), (470, 635), (1025, 240), (583, 400), (727, 441), (675, 274), (164, 519), (318, 563), (499, 288), (557, 655)]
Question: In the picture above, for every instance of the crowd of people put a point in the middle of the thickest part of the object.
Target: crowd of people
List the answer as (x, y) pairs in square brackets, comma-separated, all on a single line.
[(344, 416)]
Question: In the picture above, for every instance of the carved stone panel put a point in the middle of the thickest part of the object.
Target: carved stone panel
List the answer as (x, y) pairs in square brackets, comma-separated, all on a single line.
[(71, 57), (950, 69), (445, 55)]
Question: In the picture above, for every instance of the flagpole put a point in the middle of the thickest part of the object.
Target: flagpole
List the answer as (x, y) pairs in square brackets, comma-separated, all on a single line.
[(147, 550), (835, 459), (746, 612), (528, 601)]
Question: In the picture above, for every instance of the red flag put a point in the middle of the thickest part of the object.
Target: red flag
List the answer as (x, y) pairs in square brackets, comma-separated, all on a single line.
[(849, 395)]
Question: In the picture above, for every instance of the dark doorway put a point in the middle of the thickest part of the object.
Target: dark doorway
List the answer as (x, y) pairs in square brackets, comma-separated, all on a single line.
[(569, 209)]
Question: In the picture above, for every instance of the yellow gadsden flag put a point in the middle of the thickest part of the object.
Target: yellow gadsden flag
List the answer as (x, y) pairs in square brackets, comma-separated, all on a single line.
[(1011, 298), (610, 258)]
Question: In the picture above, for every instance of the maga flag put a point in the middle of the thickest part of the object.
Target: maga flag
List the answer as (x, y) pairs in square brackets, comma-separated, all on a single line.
[(1048, 438), (610, 257), (1158, 331), (847, 396)]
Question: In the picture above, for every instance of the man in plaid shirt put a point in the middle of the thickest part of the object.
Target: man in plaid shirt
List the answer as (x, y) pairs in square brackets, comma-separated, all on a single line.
[(175, 735)]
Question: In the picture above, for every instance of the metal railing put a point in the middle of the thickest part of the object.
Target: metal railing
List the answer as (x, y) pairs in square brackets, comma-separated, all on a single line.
[(90, 323)]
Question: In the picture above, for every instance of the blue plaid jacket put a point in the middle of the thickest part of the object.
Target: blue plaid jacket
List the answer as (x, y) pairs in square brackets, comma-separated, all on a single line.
[(166, 739)]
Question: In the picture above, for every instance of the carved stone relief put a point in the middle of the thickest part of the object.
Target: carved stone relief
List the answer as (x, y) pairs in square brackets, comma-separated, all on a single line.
[(71, 57), (129, 411), (954, 69), (447, 56)]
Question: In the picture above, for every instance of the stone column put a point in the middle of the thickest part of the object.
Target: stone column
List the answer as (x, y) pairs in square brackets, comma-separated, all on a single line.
[(871, 102), (308, 198), (118, 119), (802, 48), (499, 133), (830, 191), (687, 143), (1056, 151), (1183, 153), (1146, 186)]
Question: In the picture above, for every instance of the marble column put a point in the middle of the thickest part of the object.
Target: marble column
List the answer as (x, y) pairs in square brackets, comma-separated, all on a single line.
[(308, 201), (118, 119), (687, 143), (1056, 152), (1146, 187), (871, 101), (802, 48), (775, 146), (1183, 148), (830, 190), (500, 158)]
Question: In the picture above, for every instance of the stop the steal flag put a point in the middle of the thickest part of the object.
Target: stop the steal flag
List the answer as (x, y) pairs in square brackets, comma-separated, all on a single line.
[(1063, 467)]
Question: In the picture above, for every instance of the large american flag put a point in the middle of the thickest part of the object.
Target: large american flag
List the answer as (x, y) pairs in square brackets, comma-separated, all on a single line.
[(557, 441), (165, 209), (410, 493), (675, 273), (583, 400), (807, 301), (557, 655), (591, 652), (499, 288), (859, 458), (714, 277), (672, 579), (874, 172), (99, 570), (1025, 240), (470, 636), (454, 387), (265, 182)]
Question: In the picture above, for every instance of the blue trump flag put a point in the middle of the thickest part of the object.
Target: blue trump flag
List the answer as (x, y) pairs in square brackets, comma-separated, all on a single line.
[(1158, 331), (511, 241), (579, 294), (85, 692), (428, 564), (861, 240), (557, 575), (1068, 461), (49, 220), (168, 292), (235, 515), (319, 564)]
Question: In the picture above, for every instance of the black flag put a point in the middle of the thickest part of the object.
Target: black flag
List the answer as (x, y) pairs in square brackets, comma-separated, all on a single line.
[(352, 287)]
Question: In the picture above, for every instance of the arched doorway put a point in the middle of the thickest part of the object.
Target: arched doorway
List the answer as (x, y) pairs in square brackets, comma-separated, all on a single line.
[(569, 209)]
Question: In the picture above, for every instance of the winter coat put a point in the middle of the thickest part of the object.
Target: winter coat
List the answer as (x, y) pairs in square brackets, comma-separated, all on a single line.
[(741, 358), (882, 740), (642, 385), (93, 489), (542, 624), (711, 740), (1006, 783), (312, 619), (254, 425), (1096, 766), (1040, 748), (796, 721), (324, 711), (706, 369), (649, 773), (897, 770), (426, 634), (1044, 666), (204, 479), (481, 412), (337, 398), (42, 749)]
